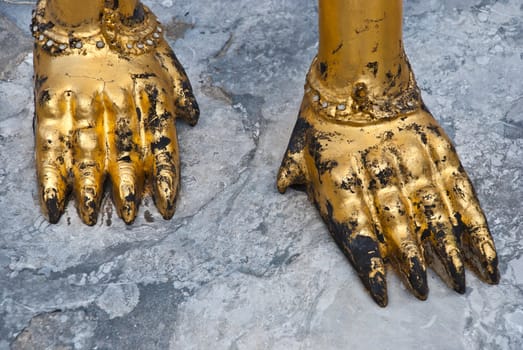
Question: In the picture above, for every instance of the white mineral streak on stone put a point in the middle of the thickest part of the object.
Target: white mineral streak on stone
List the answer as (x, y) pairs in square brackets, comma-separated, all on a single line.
[(119, 299)]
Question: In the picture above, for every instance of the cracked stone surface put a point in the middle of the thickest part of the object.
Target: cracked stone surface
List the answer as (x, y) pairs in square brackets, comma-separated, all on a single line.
[(241, 266)]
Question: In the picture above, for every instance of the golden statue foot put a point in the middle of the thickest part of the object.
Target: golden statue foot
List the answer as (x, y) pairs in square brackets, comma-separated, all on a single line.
[(381, 171), (107, 91)]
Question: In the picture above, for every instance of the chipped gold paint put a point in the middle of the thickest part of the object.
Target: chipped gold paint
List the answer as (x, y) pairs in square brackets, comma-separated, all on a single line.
[(383, 174), (107, 91)]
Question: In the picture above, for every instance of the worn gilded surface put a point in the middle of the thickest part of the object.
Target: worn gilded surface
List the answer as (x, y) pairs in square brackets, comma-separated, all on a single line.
[(240, 266), (107, 91), (383, 174)]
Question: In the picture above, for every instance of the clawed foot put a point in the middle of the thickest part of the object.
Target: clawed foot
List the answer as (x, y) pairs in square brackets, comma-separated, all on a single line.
[(106, 108), (391, 191)]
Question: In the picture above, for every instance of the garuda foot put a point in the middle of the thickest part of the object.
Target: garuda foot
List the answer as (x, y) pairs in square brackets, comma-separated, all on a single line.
[(106, 98), (390, 187)]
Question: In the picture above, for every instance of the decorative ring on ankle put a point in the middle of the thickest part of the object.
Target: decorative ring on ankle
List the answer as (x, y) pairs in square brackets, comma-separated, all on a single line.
[(357, 105), (56, 39), (135, 39)]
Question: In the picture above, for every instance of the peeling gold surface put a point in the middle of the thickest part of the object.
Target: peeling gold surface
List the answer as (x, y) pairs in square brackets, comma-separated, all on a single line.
[(105, 108), (383, 174)]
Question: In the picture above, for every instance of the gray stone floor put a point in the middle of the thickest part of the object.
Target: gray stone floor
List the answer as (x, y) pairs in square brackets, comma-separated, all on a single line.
[(241, 266)]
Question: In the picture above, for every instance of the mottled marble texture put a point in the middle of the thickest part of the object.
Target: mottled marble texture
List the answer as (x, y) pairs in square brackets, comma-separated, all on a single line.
[(241, 266)]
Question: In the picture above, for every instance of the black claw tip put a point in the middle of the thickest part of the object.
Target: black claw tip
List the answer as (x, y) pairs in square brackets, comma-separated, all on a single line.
[(91, 221), (53, 206), (461, 289), (494, 276), (170, 209), (195, 113), (128, 213), (89, 207), (417, 279), (167, 216), (377, 287), (188, 108), (53, 213), (457, 277), (458, 281), (89, 217)]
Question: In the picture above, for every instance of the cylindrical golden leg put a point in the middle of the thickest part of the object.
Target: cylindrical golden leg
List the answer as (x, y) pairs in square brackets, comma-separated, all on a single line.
[(75, 13), (127, 7), (361, 73), (360, 41), (384, 176)]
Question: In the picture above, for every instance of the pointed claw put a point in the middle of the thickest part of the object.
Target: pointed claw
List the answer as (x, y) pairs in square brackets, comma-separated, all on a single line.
[(442, 249), (185, 103), (53, 185), (186, 106), (165, 193), (123, 147), (456, 271), (417, 278), (88, 205), (161, 132), (54, 204), (364, 255), (165, 172), (363, 252), (470, 223), (449, 266), (126, 197), (126, 201), (290, 172), (88, 182), (410, 264), (480, 253), (53, 114), (377, 287), (491, 263), (394, 214), (292, 169)]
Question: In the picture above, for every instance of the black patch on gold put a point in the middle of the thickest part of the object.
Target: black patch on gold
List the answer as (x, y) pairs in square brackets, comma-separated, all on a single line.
[(44, 97), (161, 144), (54, 210), (297, 142), (360, 251), (323, 70), (373, 67)]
